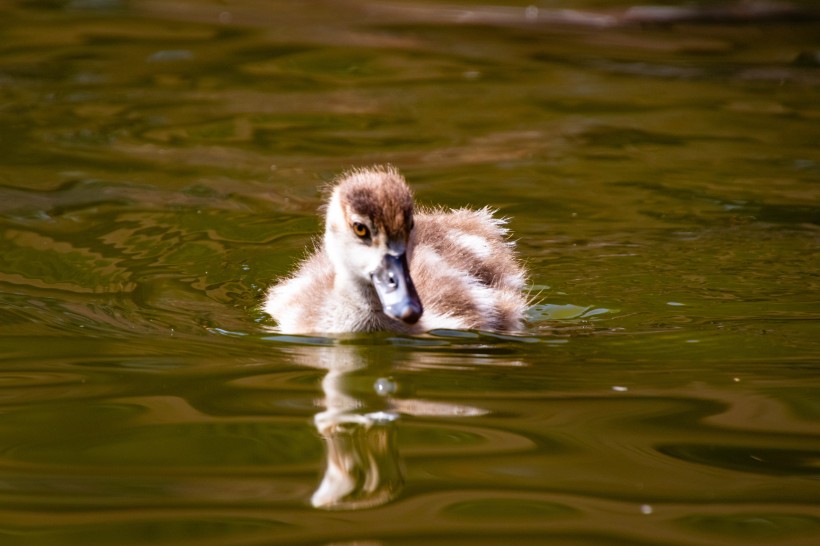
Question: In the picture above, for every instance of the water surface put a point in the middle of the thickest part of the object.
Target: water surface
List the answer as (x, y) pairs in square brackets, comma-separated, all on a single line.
[(162, 165)]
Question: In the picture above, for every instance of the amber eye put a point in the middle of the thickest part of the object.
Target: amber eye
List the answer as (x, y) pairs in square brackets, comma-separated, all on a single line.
[(361, 230)]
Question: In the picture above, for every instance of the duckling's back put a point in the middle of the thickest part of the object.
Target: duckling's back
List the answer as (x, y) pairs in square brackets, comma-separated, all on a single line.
[(466, 271)]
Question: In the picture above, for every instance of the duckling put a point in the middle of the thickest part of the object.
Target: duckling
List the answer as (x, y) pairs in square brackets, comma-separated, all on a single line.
[(382, 266)]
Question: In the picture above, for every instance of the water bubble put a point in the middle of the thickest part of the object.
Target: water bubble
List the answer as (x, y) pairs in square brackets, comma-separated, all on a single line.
[(384, 386), (531, 13)]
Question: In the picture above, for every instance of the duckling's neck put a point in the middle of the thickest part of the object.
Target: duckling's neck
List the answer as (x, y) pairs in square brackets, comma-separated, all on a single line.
[(355, 289), (354, 305)]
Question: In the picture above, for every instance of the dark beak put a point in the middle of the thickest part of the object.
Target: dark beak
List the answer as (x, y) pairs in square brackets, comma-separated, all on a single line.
[(396, 290)]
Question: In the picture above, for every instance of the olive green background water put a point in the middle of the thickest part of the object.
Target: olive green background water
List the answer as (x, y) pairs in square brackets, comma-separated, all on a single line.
[(161, 165)]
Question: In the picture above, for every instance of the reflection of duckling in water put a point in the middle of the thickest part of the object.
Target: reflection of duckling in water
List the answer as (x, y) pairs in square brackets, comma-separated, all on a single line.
[(359, 425), (383, 267), (363, 463)]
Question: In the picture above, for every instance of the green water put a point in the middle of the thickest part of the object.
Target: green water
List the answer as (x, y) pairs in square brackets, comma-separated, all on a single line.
[(161, 166)]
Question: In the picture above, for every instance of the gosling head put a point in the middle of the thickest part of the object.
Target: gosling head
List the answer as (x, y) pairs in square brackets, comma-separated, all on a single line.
[(368, 223)]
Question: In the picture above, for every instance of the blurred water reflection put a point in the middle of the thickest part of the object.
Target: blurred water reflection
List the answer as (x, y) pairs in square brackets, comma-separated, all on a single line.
[(363, 466)]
